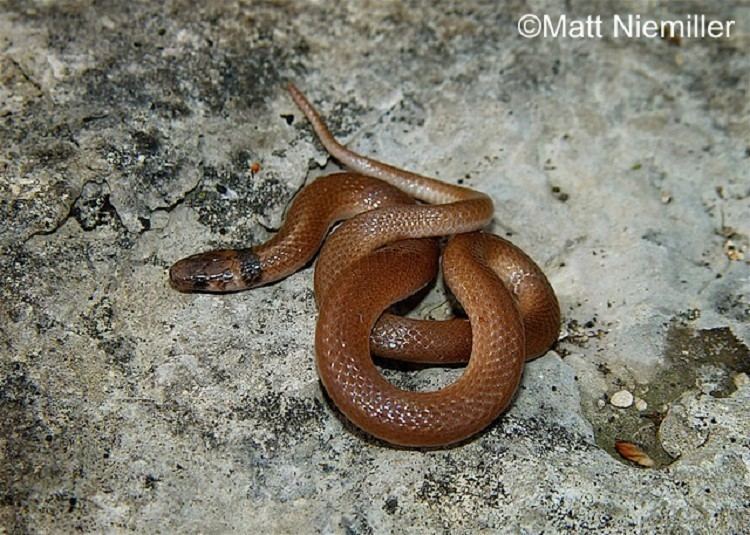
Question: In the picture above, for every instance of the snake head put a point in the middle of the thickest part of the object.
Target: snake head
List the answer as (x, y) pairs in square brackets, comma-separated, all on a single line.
[(220, 271)]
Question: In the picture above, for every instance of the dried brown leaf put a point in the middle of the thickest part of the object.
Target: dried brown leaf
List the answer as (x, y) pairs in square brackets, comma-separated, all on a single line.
[(634, 453)]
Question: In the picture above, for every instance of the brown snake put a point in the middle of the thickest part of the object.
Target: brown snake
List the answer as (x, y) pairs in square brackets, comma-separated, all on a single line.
[(380, 256)]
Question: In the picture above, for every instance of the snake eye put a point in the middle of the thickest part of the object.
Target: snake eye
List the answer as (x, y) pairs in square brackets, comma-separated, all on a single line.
[(198, 281)]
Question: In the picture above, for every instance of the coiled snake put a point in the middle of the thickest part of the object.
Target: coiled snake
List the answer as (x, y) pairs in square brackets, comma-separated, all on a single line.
[(383, 252)]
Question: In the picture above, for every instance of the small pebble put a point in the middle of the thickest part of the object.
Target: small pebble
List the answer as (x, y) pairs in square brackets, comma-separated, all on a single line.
[(733, 251), (741, 379), (622, 399), (640, 404), (600, 403)]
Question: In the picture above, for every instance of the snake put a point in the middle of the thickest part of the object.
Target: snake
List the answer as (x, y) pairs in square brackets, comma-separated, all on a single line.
[(379, 231)]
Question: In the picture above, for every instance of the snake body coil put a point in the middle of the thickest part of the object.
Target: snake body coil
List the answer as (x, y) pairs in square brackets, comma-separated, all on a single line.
[(379, 255)]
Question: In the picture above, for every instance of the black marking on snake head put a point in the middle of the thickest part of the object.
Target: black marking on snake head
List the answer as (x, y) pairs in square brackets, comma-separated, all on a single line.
[(250, 266)]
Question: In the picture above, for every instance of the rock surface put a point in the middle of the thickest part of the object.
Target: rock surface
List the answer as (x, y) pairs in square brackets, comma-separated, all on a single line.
[(129, 133)]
